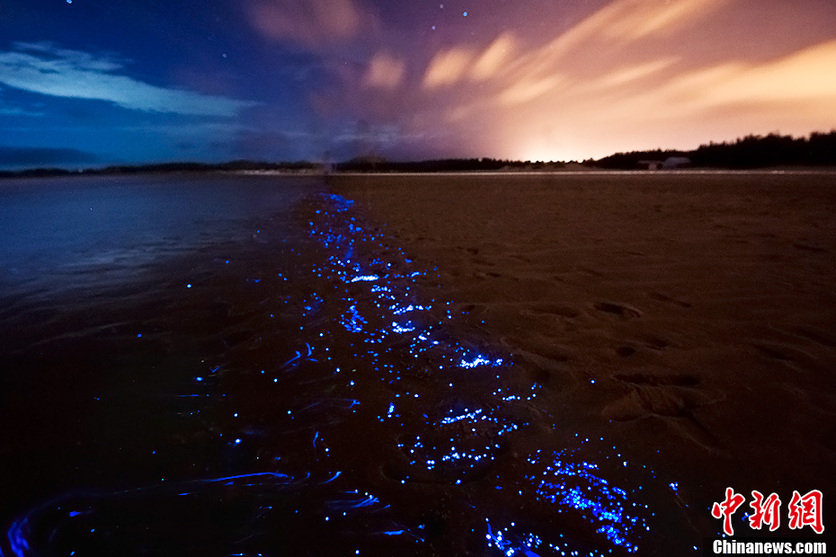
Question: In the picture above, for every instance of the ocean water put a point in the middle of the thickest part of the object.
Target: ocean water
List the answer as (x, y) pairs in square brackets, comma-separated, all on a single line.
[(245, 365), (62, 229)]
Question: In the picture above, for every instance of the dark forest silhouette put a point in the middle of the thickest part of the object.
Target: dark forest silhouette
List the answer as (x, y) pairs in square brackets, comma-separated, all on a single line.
[(750, 152)]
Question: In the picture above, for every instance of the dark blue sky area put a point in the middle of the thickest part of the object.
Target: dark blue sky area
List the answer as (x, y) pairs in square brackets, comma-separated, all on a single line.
[(95, 82)]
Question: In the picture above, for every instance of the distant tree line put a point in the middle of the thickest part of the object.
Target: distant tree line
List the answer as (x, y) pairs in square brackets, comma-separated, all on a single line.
[(752, 151), (364, 164), (755, 151), (161, 168), (634, 159), (370, 164)]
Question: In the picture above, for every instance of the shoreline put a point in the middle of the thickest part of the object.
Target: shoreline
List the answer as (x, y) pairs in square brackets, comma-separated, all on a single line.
[(665, 313), (61, 173), (671, 334)]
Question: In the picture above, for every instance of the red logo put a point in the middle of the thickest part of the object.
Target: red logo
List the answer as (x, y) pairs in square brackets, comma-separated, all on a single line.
[(726, 509), (766, 512), (803, 510)]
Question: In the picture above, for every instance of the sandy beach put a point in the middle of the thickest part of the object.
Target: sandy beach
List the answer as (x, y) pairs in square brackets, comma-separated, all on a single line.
[(458, 364), (686, 317)]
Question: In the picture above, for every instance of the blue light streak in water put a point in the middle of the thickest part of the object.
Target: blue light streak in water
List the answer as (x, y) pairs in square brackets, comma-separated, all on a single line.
[(400, 310), (577, 484), (27, 527), (479, 360), (501, 541), (353, 322), (364, 278), (401, 329), (377, 291), (353, 500), (389, 289), (293, 359), (452, 406), (467, 415)]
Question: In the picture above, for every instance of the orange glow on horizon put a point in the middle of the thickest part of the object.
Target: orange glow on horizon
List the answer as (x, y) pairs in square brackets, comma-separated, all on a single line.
[(634, 75), (572, 103)]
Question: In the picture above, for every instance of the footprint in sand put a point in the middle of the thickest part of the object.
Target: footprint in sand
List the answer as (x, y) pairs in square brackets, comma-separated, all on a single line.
[(625, 351), (671, 398), (622, 310), (669, 299), (560, 310), (654, 343)]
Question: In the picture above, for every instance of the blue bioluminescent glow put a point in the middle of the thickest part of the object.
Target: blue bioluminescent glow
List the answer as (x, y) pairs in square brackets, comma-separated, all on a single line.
[(374, 359), (401, 329), (578, 484), (353, 500), (376, 292), (364, 278), (479, 361)]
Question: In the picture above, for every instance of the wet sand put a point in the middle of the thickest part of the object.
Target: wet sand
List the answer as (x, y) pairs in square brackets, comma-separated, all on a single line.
[(428, 365), (688, 318)]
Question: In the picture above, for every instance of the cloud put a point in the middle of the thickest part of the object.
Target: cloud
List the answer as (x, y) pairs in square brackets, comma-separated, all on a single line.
[(494, 57), (632, 74), (529, 89), (385, 71), (47, 70), (314, 24), (448, 67), (623, 22), (629, 20), (636, 74), (77, 58), (803, 76)]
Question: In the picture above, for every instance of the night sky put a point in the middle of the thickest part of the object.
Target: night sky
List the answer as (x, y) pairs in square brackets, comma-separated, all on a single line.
[(88, 83)]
